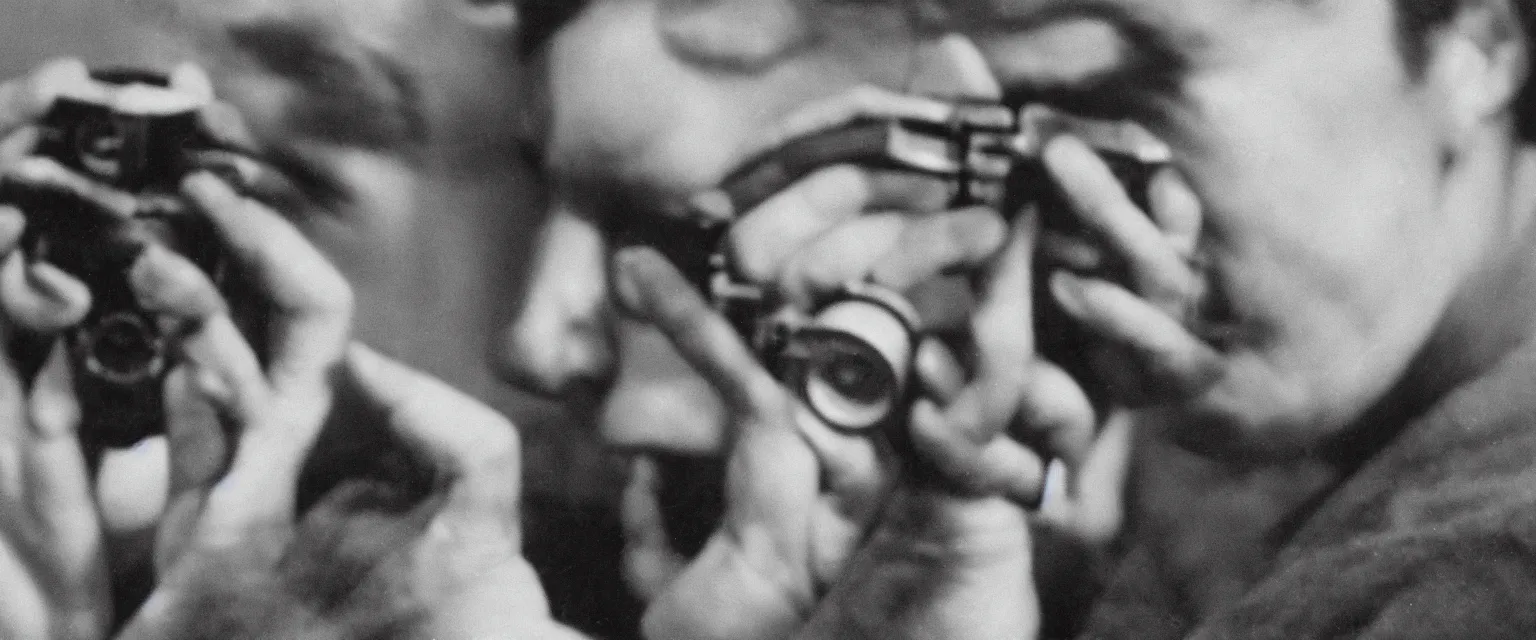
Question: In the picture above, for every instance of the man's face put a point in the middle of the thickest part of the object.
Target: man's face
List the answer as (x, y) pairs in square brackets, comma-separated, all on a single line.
[(628, 124), (1330, 247), (1333, 239)]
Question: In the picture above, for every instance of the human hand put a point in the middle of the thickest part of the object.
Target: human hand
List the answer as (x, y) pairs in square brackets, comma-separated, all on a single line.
[(810, 509), (228, 545), (53, 561), (1148, 353)]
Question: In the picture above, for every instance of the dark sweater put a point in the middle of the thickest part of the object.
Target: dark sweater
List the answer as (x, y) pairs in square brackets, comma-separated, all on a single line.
[(1432, 536)]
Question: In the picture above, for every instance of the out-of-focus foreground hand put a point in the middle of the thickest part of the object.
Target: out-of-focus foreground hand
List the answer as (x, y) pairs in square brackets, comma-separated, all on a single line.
[(231, 550), (227, 548), (53, 570)]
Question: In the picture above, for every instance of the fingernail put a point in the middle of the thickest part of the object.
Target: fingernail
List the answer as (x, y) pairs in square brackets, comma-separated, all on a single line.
[(12, 223), (59, 77), (145, 277), (1068, 290), (203, 185), (164, 282), (191, 79), (626, 286), (213, 386), (45, 278), (714, 204)]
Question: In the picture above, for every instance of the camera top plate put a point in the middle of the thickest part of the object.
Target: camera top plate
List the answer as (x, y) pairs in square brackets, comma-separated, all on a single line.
[(130, 129)]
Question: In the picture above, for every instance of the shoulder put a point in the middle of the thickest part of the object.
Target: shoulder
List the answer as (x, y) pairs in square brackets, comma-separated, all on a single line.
[(1434, 537), (1472, 575)]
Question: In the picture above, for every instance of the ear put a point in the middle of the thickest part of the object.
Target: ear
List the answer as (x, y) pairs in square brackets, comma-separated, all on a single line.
[(490, 14), (1477, 64), (743, 36)]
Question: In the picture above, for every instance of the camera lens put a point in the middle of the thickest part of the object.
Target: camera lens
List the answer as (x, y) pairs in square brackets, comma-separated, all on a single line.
[(857, 378), (854, 360), (99, 146), (123, 348), (846, 381)]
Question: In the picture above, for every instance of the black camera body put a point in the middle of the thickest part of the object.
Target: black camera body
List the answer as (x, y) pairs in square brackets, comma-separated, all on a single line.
[(987, 154), (119, 351)]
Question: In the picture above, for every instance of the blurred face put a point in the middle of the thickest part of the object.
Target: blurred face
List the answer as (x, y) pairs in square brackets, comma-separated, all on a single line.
[(1340, 221), (636, 112)]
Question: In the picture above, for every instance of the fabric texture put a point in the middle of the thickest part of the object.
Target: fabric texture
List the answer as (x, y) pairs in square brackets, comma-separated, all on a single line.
[(1431, 536)]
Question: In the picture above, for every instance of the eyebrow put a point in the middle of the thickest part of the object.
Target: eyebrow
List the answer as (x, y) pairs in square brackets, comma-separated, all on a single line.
[(353, 94), (1155, 59)]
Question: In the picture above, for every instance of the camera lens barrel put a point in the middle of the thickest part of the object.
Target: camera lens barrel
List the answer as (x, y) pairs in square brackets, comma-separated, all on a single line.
[(852, 362), (135, 140)]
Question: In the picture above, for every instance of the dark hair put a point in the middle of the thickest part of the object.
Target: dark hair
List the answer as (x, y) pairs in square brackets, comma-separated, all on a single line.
[(540, 20), (1417, 20)]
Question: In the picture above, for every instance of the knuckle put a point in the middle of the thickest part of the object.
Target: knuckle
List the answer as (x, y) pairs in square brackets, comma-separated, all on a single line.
[(975, 231), (52, 77), (693, 324), (750, 259), (838, 183), (866, 97), (334, 293), (496, 440), (817, 274), (760, 392), (33, 170)]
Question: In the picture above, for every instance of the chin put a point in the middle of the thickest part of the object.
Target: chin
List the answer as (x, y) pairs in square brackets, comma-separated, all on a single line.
[(1254, 416)]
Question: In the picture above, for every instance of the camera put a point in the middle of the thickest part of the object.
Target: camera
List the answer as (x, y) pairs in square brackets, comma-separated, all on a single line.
[(851, 360), (138, 135)]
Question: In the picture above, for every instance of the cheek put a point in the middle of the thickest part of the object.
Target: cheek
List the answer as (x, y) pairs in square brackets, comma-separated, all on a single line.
[(658, 403), (1322, 226)]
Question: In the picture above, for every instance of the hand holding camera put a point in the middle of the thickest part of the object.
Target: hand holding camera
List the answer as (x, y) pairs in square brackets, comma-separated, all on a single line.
[(90, 180), (99, 185), (828, 247), (241, 419)]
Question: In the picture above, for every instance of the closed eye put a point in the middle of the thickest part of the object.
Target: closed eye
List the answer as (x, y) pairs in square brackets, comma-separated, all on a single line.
[(348, 94)]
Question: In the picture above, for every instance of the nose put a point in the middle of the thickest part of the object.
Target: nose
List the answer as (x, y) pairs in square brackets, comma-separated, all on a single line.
[(658, 403), (560, 341)]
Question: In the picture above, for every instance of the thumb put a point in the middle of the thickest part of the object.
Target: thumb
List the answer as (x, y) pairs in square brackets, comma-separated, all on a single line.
[(473, 445), (752, 578), (768, 455)]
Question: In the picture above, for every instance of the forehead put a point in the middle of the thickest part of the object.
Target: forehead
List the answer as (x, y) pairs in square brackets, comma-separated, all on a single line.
[(625, 104)]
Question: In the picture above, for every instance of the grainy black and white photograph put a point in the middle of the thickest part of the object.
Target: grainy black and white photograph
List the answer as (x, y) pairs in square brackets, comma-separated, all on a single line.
[(767, 319)]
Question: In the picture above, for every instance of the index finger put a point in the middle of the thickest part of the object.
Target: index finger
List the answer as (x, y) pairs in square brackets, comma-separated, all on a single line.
[(651, 288), (1002, 325), (476, 445), (1003, 335), (1102, 204), (312, 302)]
